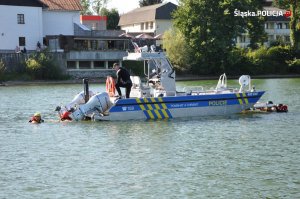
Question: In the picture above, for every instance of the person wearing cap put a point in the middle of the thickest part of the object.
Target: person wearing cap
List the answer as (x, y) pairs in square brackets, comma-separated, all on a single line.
[(123, 80), (36, 119)]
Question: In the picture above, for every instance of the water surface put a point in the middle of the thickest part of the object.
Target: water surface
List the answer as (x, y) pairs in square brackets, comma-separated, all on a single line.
[(236, 156)]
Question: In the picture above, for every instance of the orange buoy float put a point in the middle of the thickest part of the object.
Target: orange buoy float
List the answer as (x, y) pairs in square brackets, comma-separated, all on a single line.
[(110, 86)]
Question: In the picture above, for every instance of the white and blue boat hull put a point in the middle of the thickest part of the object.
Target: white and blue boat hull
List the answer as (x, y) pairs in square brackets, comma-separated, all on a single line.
[(181, 106)]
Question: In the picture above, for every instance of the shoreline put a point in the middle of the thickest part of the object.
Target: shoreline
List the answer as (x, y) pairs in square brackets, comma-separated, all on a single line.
[(178, 78)]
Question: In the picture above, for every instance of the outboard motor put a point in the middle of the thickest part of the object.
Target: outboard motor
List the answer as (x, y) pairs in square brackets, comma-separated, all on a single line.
[(99, 102), (78, 100)]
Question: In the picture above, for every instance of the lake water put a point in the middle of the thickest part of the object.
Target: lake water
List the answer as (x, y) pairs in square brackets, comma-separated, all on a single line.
[(237, 156)]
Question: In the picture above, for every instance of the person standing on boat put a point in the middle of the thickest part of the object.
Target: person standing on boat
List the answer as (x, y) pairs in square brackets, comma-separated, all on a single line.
[(123, 80)]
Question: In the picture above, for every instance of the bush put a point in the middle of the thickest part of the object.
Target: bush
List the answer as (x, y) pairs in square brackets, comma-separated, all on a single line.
[(2, 69), (34, 68), (294, 66), (41, 66), (177, 50), (271, 60), (278, 56), (238, 62)]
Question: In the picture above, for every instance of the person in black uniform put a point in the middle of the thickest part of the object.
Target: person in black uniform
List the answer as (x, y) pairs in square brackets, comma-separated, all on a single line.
[(123, 80)]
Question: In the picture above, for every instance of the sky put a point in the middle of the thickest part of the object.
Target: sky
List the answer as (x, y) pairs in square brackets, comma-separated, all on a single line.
[(124, 6)]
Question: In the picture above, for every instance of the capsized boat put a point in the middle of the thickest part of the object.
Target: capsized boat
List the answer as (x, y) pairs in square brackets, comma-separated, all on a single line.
[(159, 99)]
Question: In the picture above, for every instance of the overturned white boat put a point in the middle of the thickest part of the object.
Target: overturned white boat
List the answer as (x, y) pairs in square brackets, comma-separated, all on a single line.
[(159, 99)]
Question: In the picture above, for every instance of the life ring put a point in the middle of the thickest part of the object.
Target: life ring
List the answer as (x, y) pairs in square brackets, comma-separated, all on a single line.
[(110, 86)]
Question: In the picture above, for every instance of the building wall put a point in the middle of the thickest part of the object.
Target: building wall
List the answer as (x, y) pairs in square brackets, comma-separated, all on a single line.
[(163, 25), (10, 30), (278, 30), (132, 28), (60, 22), (94, 22), (158, 27)]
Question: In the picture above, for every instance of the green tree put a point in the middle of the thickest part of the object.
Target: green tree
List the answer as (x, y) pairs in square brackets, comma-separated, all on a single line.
[(98, 5), (149, 2), (113, 18), (210, 28), (294, 7), (86, 7), (175, 45)]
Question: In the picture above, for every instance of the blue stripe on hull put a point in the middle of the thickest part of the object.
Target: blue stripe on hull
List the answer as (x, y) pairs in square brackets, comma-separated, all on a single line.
[(168, 103)]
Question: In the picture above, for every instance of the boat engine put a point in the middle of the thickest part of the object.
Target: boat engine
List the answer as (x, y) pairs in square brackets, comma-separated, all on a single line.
[(78, 99), (98, 103)]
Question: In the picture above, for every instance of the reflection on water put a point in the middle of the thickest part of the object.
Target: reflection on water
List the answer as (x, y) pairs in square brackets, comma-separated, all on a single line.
[(236, 156)]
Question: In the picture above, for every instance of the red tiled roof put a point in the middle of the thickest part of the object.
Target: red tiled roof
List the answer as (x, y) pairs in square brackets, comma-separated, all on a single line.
[(62, 4)]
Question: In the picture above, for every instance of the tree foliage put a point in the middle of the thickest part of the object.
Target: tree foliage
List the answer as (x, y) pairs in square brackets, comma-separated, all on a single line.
[(175, 45), (92, 6), (210, 28), (294, 7), (149, 2), (112, 18), (98, 5), (86, 7)]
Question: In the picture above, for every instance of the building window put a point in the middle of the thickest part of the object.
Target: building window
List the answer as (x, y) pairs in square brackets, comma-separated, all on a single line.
[(151, 25), (22, 41), (279, 25), (147, 25), (266, 26), (243, 39), (21, 19), (271, 25), (287, 26), (142, 26)]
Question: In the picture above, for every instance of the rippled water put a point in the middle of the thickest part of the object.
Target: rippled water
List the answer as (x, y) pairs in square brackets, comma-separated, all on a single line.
[(237, 156)]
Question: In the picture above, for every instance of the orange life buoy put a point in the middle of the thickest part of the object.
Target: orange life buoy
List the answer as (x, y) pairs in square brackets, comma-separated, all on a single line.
[(110, 86)]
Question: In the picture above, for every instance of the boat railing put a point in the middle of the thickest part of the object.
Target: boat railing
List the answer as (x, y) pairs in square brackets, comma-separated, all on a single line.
[(193, 90)]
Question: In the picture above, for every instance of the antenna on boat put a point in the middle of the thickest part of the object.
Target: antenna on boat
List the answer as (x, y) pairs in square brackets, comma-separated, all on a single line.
[(86, 90)]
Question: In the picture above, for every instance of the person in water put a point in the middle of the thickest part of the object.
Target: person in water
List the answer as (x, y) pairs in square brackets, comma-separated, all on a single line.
[(64, 114), (123, 80), (36, 119)]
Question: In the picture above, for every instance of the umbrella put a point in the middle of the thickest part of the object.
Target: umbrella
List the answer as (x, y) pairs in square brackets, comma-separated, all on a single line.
[(144, 36), (126, 35), (159, 36)]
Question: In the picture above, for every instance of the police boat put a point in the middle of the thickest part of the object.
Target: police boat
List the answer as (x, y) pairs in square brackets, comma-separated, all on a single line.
[(159, 99)]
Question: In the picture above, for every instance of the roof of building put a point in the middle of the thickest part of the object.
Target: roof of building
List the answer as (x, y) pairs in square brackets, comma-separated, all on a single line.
[(31, 3), (148, 13), (73, 5)]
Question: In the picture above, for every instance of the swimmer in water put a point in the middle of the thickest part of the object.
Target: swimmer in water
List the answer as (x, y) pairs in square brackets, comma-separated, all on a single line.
[(36, 119)]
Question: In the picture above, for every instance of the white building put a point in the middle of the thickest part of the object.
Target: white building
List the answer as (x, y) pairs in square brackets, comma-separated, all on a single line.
[(155, 19), (276, 27), (24, 23)]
